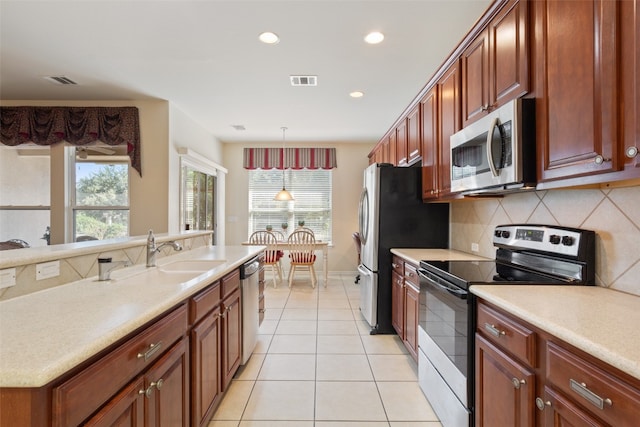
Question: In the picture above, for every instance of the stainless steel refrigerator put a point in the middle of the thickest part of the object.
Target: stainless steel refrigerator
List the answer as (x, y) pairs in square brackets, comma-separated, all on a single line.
[(391, 214)]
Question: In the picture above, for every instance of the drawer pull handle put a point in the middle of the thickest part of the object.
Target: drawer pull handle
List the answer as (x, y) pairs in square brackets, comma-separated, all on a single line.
[(541, 403), (582, 390), (153, 349), (517, 383), (494, 331), (394, 265)]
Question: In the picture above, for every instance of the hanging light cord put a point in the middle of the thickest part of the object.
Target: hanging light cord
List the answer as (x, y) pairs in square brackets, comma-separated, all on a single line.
[(284, 155)]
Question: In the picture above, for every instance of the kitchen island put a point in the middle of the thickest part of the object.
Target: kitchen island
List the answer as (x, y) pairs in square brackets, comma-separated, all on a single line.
[(49, 336)]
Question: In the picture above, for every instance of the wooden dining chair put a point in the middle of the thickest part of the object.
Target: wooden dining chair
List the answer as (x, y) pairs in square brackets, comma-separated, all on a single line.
[(272, 255), (301, 245)]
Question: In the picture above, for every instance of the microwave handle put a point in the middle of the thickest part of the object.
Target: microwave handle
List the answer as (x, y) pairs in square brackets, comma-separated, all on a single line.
[(494, 124)]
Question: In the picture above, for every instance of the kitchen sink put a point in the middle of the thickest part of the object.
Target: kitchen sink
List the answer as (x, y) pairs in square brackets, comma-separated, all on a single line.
[(196, 266), (158, 277)]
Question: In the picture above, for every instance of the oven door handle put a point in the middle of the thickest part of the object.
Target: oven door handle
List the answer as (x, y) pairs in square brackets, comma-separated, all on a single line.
[(447, 288)]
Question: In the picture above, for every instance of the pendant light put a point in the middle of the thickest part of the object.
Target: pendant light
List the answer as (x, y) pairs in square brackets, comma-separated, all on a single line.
[(283, 195)]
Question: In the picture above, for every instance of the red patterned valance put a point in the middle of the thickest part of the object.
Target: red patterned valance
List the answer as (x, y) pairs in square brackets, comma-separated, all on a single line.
[(294, 158), (75, 125)]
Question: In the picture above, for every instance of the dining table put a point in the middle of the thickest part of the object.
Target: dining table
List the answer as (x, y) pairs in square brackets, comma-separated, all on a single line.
[(319, 246)]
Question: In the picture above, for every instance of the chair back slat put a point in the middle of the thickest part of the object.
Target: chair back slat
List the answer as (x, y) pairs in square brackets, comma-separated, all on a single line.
[(302, 247), (267, 239)]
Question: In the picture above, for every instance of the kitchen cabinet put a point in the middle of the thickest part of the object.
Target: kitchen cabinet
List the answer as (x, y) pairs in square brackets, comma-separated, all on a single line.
[(231, 326), (414, 135), (405, 292), (206, 354), (578, 105), (134, 361), (450, 123), (526, 377), (495, 66), (430, 144), (401, 143)]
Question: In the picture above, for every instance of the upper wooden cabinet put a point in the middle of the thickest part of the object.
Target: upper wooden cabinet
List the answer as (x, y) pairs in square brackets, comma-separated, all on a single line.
[(577, 108), (430, 147), (414, 135), (401, 144), (450, 123), (495, 66)]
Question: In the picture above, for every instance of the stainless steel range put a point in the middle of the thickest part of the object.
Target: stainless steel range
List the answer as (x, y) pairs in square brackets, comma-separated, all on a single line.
[(526, 254)]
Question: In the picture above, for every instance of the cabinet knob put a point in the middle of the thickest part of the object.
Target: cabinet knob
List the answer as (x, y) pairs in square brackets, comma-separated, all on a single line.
[(600, 160), (541, 403), (631, 152), (517, 383)]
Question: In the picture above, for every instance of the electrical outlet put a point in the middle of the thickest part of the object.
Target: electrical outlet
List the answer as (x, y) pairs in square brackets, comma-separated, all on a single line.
[(475, 247), (47, 270), (7, 277)]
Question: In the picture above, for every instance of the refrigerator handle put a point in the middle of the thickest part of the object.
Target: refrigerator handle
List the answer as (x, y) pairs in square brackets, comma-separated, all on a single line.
[(363, 227)]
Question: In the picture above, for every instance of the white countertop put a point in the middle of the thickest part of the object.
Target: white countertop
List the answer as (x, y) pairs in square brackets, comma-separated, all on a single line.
[(415, 255), (47, 333), (602, 322)]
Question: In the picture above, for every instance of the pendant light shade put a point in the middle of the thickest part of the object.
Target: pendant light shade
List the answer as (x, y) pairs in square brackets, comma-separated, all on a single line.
[(283, 195)]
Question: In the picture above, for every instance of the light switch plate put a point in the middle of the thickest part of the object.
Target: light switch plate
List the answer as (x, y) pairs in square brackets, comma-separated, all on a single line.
[(47, 270), (7, 277), (475, 247)]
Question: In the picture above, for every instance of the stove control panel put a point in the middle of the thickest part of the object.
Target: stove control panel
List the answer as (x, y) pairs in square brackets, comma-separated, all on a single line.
[(541, 238)]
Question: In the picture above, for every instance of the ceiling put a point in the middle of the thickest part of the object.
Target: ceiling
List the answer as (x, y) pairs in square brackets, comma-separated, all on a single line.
[(205, 58)]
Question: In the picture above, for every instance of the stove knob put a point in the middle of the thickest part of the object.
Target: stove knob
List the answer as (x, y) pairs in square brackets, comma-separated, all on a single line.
[(554, 239), (567, 240), (497, 233), (505, 234)]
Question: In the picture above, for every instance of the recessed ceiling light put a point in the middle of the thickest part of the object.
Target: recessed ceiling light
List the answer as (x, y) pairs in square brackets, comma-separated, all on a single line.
[(356, 94), (269, 38), (374, 37)]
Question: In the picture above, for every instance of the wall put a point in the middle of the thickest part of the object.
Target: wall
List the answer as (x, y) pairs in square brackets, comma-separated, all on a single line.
[(347, 183), (613, 213)]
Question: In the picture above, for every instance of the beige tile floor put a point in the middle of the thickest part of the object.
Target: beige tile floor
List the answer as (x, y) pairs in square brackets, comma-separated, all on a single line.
[(316, 365)]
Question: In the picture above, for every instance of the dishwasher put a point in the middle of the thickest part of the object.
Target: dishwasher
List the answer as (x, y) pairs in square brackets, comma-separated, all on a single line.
[(250, 295)]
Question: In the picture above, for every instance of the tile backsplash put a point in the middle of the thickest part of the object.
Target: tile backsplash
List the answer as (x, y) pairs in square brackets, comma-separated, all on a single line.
[(614, 214)]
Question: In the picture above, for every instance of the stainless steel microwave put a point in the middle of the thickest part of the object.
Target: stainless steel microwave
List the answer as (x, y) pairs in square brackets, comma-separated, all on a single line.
[(496, 153)]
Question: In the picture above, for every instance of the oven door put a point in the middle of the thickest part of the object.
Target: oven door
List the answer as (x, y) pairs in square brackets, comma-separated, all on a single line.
[(447, 319)]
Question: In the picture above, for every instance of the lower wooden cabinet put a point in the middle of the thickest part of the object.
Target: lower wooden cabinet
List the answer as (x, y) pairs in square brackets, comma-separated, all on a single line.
[(231, 337), (206, 355), (505, 389), (405, 293), (528, 377)]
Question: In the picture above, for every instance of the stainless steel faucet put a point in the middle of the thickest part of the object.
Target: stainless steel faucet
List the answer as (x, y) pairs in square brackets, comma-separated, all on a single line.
[(106, 265), (152, 249)]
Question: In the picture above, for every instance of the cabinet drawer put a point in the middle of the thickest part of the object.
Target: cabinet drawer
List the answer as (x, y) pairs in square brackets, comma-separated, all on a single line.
[(508, 334), (204, 302), (596, 390), (411, 275), (397, 264), (230, 283), (80, 396)]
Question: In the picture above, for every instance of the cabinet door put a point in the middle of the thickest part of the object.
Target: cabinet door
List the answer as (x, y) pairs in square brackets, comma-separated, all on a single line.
[(411, 297), (505, 389), (414, 136), (392, 149), (561, 412), (231, 337), (167, 388), (397, 303), (509, 54), (630, 78), (429, 127), (449, 112), (577, 104), (401, 143), (205, 367), (125, 409), (475, 79)]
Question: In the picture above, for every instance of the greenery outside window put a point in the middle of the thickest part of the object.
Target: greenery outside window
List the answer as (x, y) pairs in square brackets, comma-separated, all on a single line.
[(100, 197), (311, 189), (198, 199)]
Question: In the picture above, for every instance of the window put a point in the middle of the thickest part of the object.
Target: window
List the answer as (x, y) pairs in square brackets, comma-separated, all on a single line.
[(100, 197), (311, 190), (198, 199)]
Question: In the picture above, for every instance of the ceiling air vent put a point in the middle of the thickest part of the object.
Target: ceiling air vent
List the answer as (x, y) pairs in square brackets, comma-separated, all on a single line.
[(239, 127), (61, 80), (304, 80)]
